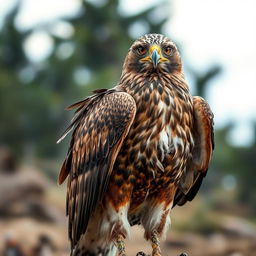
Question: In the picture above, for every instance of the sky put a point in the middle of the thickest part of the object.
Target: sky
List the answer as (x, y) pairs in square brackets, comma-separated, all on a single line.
[(223, 32), (210, 32)]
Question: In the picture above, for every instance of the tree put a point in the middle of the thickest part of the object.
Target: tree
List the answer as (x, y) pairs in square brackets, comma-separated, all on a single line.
[(33, 95)]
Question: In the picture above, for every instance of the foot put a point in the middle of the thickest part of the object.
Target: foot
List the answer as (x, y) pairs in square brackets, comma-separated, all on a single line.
[(120, 245), (156, 252), (141, 254), (155, 243)]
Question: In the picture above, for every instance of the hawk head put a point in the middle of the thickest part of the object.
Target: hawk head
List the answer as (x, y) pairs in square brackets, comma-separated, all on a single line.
[(153, 53)]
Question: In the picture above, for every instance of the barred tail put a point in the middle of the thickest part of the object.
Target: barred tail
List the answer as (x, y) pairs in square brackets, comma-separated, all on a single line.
[(107, 250)]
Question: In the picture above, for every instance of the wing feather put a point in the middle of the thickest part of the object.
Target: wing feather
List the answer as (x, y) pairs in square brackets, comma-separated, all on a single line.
[(203, 135), (100, 126)]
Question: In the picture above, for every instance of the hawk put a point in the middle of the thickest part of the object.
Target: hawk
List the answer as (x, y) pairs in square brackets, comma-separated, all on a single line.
[(137, 150)]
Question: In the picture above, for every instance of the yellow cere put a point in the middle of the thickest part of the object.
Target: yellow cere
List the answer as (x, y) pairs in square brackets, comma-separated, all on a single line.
[(151, 49)]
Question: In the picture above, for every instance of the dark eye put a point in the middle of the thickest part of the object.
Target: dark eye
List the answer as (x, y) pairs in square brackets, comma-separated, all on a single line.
[(167, 50), (141, 50)]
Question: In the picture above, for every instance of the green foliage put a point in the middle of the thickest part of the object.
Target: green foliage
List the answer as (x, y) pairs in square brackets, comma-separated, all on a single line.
[(33, 95), (228, 159), (240, 162)]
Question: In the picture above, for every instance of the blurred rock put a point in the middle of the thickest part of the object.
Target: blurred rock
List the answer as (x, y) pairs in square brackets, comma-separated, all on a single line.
[(35, 236), (216, 244), (238, 227), (23, 190), (44, 246), (12, 246)]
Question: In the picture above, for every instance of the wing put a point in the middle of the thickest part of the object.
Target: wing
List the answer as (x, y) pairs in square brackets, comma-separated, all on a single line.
[(204, 144), (100, 125)]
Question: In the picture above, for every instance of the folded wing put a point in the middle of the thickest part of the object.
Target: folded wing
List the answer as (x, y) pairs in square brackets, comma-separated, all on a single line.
[(204, 144), (100, 125)]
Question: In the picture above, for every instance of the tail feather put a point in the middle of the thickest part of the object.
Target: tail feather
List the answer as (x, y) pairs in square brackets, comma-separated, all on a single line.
[(109, 250)]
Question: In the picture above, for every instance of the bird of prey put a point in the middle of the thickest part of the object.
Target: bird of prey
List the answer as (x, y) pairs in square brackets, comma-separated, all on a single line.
[(137, 150)]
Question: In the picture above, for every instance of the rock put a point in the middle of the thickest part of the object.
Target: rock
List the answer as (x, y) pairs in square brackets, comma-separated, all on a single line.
[(237, 227)]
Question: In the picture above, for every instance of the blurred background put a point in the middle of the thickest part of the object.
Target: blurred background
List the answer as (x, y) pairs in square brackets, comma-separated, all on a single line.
[(54, 53)]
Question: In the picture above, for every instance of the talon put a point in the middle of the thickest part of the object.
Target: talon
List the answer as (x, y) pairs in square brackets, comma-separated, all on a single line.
[(156, 253), (155, 243), (141, 254), (120, 245)]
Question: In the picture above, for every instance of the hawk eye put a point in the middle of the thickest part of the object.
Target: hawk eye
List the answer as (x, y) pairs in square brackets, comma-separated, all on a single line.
[(141, 50), (167, 50)]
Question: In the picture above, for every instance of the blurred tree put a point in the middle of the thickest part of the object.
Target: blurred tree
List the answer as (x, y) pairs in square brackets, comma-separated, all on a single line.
[(202, 79), (239, 162), (33, 95), (228, 159)]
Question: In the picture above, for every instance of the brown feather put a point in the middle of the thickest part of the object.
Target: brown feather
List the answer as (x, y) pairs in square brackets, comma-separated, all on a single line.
[(201, 155), (63, 172), (100, 126), (203, 134)]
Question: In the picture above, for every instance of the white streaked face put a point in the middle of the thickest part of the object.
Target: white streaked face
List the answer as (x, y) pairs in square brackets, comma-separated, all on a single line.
[(153, 53)]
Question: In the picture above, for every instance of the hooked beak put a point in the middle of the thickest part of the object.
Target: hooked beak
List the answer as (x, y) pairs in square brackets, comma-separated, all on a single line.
[(155, 56)]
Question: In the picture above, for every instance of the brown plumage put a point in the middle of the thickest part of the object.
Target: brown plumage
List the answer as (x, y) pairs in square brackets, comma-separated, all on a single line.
[(136, 151)]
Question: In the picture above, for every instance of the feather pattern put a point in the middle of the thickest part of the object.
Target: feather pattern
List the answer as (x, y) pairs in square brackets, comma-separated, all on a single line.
[(100, 126), (203, 135)]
